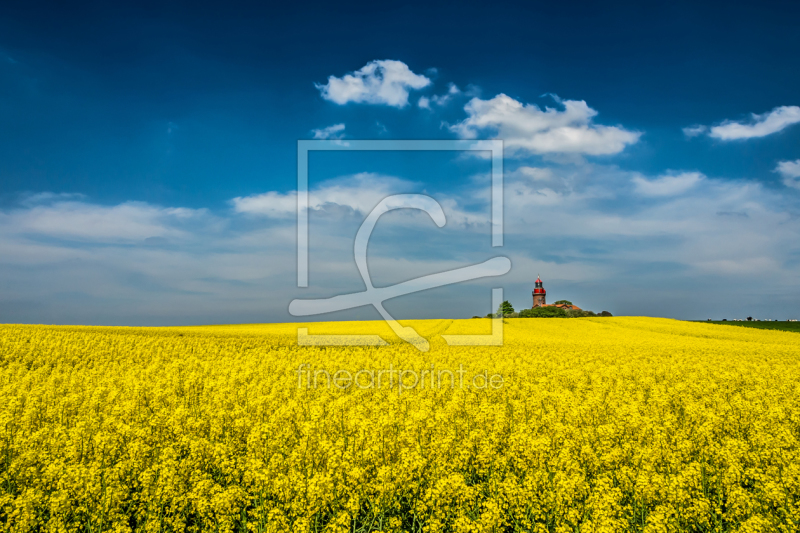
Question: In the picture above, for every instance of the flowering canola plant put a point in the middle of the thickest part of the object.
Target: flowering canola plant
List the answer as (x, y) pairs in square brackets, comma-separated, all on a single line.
[(595, 425)]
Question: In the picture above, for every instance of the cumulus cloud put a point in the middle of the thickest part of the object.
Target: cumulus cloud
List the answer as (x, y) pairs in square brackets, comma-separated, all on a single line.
[(790, 171), (84, 221), (360, 193), (579, 225), (331, 132), (668, 185), (722, 228), (380, 82), (758, 126), (526, 128), (269, 204)]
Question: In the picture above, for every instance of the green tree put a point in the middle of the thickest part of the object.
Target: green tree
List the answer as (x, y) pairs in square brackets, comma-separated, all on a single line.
[(544, 312), (575, 313), (505, 309), (563, 302)]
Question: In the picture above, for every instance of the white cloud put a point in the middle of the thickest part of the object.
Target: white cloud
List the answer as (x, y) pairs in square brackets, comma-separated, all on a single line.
[(694, 131), (444, 99), (380, 82), (758, 126), (669, 185), (580, 226), (722, 223), (84, 221), (525, 128), (790, 171), (536, 173), (331, 132), (440, 100), (49, 197), (269, 204), (360, 192), (539, 184)]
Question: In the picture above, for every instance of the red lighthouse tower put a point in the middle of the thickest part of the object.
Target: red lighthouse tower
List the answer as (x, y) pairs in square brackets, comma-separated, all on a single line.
[(539, 294)]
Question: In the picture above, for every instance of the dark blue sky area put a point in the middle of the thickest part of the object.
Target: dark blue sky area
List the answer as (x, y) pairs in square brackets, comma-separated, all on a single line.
[(193, 104)]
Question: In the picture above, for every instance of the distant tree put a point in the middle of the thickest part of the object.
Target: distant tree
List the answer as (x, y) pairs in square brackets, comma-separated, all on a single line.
[(563, 302), (505, 309), (749, 319), (544, 312), (605, 313), (578, 313)]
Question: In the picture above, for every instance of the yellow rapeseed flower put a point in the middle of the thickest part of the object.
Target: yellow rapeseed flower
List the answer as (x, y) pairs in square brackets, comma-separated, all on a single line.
[(592, 425)]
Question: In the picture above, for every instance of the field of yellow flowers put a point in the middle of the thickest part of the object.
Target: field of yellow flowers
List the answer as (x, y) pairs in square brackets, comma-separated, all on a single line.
[(591, 425)]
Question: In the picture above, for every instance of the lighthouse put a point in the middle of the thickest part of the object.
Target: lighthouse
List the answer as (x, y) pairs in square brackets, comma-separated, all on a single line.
[(539, 294)]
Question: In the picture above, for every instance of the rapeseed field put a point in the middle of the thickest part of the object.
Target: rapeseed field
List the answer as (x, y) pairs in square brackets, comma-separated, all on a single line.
[(591, 425)]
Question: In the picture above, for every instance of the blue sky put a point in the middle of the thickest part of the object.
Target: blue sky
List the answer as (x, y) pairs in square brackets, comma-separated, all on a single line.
[(148, 153)]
